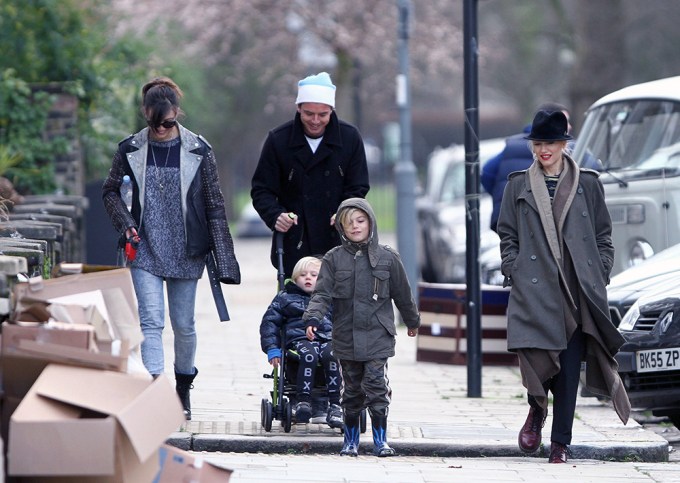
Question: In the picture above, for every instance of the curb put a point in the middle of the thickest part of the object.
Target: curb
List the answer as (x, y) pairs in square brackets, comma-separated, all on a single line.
[(649, 452)]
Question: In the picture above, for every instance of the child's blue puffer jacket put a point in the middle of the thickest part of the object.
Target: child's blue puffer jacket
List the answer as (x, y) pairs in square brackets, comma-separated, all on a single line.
[(286, 310)]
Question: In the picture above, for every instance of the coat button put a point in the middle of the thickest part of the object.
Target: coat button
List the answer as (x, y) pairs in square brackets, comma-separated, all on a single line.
[(580, 190), (534, 280), (590, 262), (584, 214), (525, 211), (533, 257)]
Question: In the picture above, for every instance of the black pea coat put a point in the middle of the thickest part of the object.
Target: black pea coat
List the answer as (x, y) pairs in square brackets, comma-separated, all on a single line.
[(291, 178)]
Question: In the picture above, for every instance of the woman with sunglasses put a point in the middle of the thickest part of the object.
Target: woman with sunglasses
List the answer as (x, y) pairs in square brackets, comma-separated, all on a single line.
[(177, 223)]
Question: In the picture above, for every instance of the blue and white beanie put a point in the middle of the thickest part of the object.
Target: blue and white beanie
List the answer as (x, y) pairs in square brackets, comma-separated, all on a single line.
[(316, 88)]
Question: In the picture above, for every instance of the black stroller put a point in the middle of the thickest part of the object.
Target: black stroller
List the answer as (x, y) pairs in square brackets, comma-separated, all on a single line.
[(284, 391)]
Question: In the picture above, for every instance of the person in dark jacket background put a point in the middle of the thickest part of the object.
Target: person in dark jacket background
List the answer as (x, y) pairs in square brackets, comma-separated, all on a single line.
[(306, 168), (557, 254), (178, 221), (516, 156), (361, 279), (285, 312)]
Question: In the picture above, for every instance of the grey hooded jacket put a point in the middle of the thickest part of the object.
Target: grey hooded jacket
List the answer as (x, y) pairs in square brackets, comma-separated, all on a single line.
[(360, 282)]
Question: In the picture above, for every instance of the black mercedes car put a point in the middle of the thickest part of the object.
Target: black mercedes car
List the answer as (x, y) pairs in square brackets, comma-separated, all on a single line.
[(644, 302), (649, 361)]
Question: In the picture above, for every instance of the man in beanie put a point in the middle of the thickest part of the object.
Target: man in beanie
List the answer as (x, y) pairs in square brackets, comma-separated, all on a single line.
[(307, 167)]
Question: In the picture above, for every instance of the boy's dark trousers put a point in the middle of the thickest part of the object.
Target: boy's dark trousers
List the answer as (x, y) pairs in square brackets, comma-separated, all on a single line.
[(365, 384)]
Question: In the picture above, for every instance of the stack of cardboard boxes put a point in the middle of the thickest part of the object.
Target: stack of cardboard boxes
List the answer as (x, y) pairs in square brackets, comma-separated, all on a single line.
[(77, 403)]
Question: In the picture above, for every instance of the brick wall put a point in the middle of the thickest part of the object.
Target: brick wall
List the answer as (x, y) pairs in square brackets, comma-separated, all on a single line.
[(63, 121)]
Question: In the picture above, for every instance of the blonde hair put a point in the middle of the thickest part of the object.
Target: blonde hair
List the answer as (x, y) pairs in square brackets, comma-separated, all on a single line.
[(347, 213), (303, 265)]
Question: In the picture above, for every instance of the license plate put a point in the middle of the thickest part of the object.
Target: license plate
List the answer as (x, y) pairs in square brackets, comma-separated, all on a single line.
[(658, 360)]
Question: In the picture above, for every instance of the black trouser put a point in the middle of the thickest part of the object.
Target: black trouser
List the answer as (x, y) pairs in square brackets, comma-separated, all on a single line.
[(564, 386), (365, 384), (311, 352)]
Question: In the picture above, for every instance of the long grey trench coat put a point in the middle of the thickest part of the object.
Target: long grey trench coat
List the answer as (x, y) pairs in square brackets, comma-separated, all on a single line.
[(536, 317)]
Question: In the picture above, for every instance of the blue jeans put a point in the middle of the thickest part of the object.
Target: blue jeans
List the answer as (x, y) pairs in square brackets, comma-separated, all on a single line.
[(181, 302)]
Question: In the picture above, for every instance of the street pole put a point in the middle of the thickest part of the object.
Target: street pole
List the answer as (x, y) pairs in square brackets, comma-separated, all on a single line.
[(405, 171), (474, 294)]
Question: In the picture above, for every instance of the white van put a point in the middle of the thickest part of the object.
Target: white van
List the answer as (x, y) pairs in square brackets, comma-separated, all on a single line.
[(633, 137)]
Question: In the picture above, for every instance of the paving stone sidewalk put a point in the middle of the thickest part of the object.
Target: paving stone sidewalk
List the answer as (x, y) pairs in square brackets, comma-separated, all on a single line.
[(430, 413)]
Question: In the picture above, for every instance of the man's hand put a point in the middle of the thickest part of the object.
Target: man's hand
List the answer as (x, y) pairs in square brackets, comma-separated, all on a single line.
[(285, 221), (412, 332)]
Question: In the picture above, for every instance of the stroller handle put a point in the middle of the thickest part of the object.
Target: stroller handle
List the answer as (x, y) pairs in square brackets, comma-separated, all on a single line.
[(281, 273)]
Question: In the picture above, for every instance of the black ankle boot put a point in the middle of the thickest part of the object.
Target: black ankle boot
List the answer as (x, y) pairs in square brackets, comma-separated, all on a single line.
[(184, 383)]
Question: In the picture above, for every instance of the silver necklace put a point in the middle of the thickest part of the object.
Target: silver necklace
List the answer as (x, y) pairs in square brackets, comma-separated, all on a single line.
[(158, 174)]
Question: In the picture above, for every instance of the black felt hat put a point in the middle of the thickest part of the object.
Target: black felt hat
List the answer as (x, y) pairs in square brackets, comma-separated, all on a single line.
[(549, 126)]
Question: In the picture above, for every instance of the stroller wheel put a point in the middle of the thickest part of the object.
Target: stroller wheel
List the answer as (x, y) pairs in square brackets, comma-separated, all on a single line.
[(267, 415), (262, 411), (287, 416)]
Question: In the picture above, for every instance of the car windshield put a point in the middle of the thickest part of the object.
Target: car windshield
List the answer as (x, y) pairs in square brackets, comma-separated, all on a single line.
[(453, 186), (634, 139)]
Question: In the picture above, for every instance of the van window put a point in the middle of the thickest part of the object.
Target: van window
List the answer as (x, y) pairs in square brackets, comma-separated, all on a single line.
[(632, 139)]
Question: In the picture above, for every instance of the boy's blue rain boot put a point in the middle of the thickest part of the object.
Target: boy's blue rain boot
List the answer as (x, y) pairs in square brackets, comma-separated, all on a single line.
[(350, 446), (380, 446)]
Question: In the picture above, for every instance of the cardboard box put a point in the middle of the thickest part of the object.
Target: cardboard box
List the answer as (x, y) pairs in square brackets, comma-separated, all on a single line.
[(28, 349), (78, 283), (20, 367), (111, 292), (107, 311), (179, 466), (80, 422)]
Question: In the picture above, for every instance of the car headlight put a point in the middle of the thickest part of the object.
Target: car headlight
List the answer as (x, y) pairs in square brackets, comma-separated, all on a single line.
[(628, 321), (640, 251)]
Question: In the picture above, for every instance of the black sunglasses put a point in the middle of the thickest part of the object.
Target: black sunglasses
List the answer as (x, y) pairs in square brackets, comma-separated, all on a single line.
[(166, 124)]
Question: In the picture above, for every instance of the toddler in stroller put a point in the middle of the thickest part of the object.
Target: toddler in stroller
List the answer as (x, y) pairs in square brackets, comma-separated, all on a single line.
[(283, 320)]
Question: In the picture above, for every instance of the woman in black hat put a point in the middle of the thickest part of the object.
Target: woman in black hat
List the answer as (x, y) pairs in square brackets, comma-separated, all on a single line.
[(557, 254)]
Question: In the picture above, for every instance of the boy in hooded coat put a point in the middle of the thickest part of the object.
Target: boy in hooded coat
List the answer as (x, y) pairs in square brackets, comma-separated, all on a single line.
[(360, 279)]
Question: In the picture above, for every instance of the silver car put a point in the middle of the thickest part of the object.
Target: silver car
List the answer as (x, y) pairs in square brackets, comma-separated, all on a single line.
[(442, 214)]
